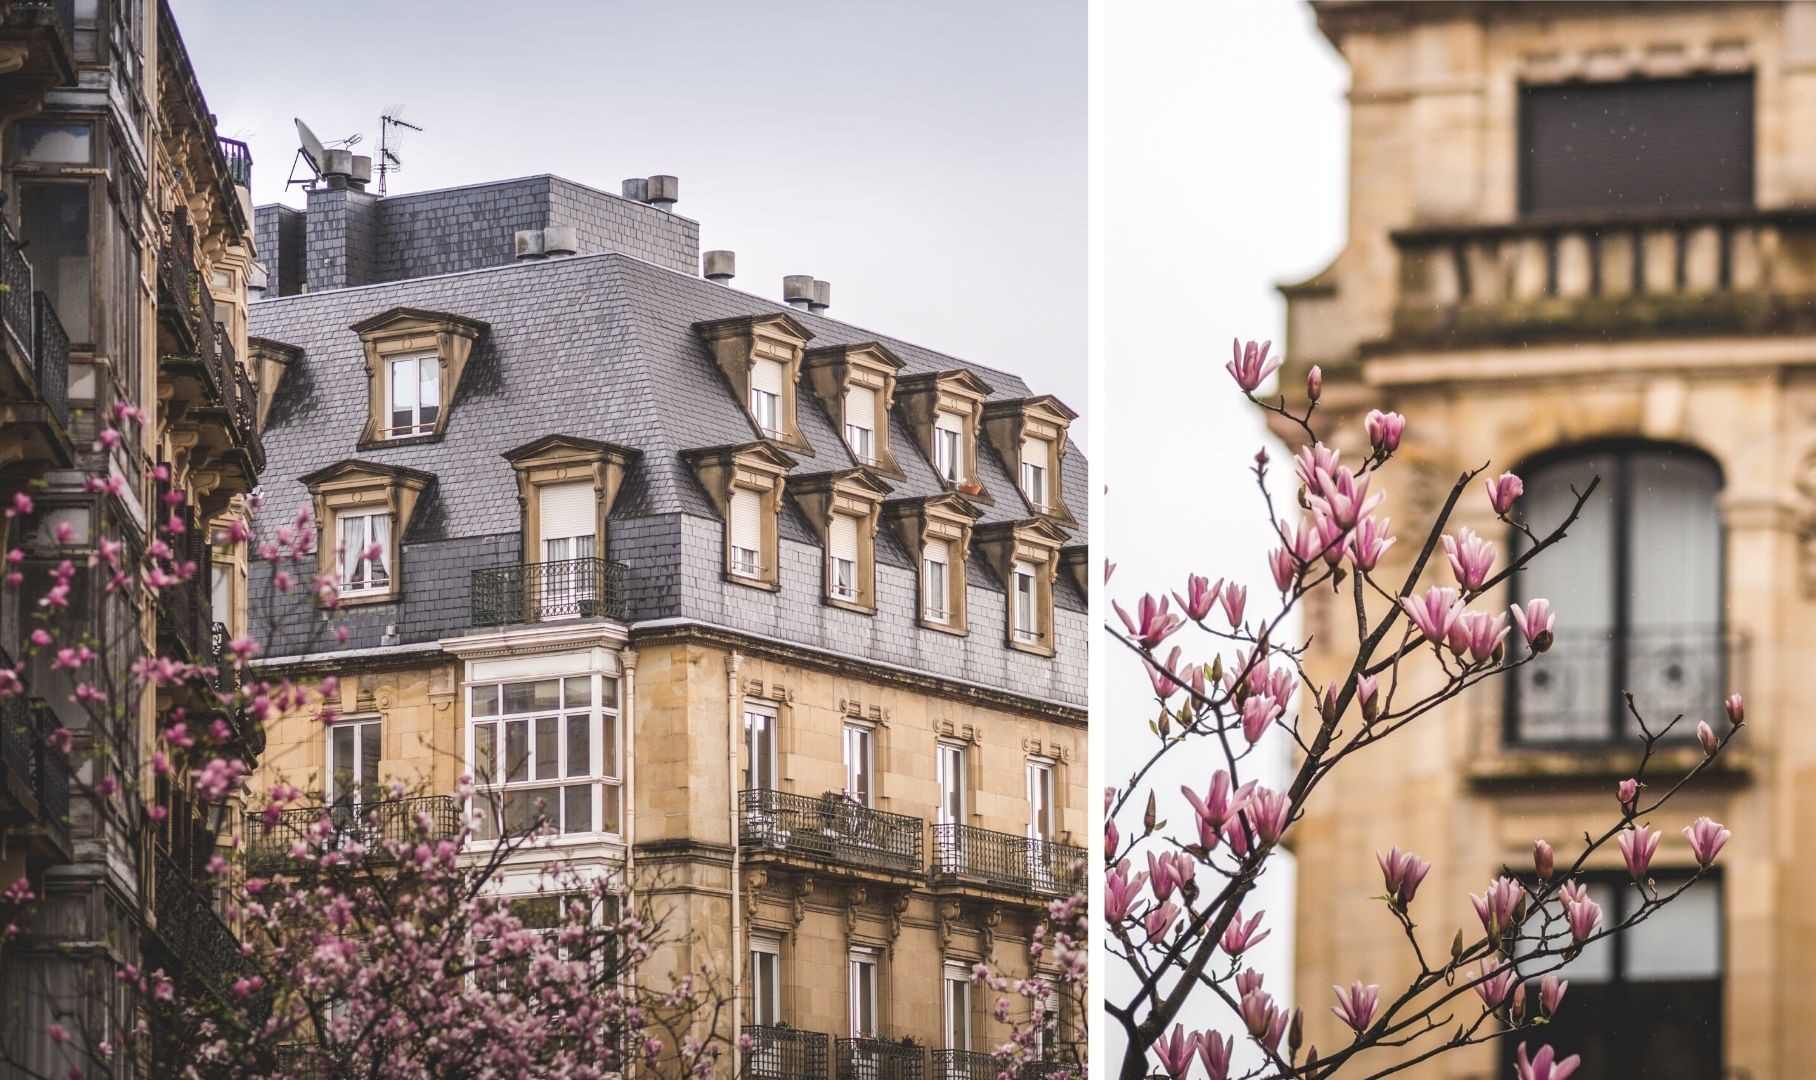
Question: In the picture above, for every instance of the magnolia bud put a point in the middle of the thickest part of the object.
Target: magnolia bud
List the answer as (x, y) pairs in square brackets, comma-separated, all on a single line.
[(1329, 708), (1737, 709), (1706, 735), (1152, 815), (1295, 1032), (1544, 860), (1519, 1001), (1314, 382)]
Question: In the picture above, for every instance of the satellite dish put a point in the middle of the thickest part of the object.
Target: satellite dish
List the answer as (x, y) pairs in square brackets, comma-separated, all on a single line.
[(313, 151)]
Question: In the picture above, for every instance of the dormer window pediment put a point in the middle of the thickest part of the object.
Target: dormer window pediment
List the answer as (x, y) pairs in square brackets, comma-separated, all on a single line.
[(414, 363), (1030, 436), (945, 411), (364, 510), (843, 509), (760, 355), (744, 482), (856, 384), (936, 531)]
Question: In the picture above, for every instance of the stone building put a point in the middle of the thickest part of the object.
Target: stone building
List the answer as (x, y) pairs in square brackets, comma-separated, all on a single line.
[(1581, 243), (124, 249), (781, 619)]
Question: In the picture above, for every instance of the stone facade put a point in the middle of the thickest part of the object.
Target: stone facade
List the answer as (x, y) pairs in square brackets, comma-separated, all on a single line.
[(1504, 339)]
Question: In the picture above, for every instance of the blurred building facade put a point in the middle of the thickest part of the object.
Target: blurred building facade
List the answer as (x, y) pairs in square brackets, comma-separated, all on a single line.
[(124, 251), (779, 619), (1582, 241)]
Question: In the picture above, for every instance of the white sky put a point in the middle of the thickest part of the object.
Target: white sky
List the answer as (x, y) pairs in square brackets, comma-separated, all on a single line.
[(927, 159), (1224, 153)]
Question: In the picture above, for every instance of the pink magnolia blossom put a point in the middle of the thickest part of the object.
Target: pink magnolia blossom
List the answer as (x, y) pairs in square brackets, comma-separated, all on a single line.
[(1358, 1005), (1263, 1019), (1369, 542), (1269, 812), (1471, 557), (1535, 622), (1343, 497), (1544, 1066), (1285, 568), (1628, 793), (1250, 364), (1498, 905), (1435, 613), (1175, 1051), (1478, 636), (1162, 676), (1168, 871), (1706, 840), (1503, 491), (1200, 596), (1384, 430), (1239, 937), (1112, 839), (1551, 994), (1493, 989), (1121, 892), (1706, 736), (1248, 980), (1314, 383), (1402, 872), (1736, 709), (1544, 860), (1637, 847), (1259, 711), (1153, 623), (1215, 1050), (1160, 919), (1582, 914), (1312, 460), (1234, 598)]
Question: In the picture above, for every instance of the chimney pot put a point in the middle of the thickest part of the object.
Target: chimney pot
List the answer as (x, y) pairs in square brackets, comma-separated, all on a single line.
[(560, 240), (664, 191), (637, 188), (797, 290), (721, 266), (529, 244), (822, 296), (361, 174)]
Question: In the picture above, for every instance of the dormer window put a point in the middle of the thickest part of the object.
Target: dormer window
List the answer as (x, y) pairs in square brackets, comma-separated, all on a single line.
[(1026, 556), (414, 361), (1036, 454), (766, 397), (415, 395), (364, 511), (936, 531), (1027, 611), (948, 462), (365, 552), (860, 424), (843, 508), (842, 556), (745, 484), (936, 582), (746, 534)]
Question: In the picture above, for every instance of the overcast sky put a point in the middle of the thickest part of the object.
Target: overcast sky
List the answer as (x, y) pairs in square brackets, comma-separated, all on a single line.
[(927, 159), (1224, 176)]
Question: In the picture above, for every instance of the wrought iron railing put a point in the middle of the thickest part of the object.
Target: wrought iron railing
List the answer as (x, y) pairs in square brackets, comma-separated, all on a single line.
[(16, 299), (368, 825), (187, 922), (780, 1053), (301, 1061), (245, 401), (1006, 861), (16, 737), (50, 774), (965, 1065), (185, 612), (239, 160), (50, 358), (539, 592), (875, 1059), (178, 283), (831, 828), (1063, 1066), (1575, 693)]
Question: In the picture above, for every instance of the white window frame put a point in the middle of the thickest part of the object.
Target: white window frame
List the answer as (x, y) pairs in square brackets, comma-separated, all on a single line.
[(950, 771), (936, 585), (1025, 603), (1040, 781), (603, 719), (357, 777), (367, 576), (860, 736), (863, 965), (842, 573), (955, 1005), (766, 405), (762, 758), (948, 448), (745, 562), (417, 425), (1034, 483), (766, 949), (862, 442)]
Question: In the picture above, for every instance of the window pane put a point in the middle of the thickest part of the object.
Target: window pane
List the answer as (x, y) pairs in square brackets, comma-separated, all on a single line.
[(608, 693), (340, 764), (579, 738), (53, 142), (1674, 651), (548, 747), (578, 813), (485, 753), (608, 745), (428, 396), (543, 696), (369, 754), (578, 691), (1679, 941), (524, 807), (485, 700), (517, 750), (54, 226), (403, 389), (609, 802)]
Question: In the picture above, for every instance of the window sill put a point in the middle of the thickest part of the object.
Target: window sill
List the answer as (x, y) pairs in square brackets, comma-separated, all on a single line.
[(945, 627), (382, 442), (1036, 646), (853, 603), (750, 582), (1516, 767), (376, 596)]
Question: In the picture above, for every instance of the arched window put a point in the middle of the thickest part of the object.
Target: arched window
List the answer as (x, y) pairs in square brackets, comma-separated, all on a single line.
[(1637, 586)]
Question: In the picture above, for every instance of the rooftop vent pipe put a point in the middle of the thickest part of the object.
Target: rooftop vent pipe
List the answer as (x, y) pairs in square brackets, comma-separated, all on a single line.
[(720, 266), (342, 168), (560, 240), (530, 245), (797, 290), (664, 191), (822, 296), (636, 188)]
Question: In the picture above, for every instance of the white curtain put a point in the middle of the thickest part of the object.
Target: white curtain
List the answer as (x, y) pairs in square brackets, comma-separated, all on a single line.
[(1566, 694), (381, 535)]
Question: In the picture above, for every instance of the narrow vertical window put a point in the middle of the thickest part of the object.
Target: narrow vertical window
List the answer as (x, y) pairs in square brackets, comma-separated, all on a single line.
[(759, 750), (765, 981), (54, 228), (951, 769), (842, 567), (860, 423), (859, 758), (862, 994), (958, 1007), (566, 584), (365, 552), (415, 392), (354, 753), (1035, 457), (947, 429), (766, 378), (1027, 621), (936, 582), (746, 533), (1040, 821)]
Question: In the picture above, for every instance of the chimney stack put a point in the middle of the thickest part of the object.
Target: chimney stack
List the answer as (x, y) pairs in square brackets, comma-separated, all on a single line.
[(720, 266), (664, 191), (797, 291), (342, 168), (636, 188), (822, 296)]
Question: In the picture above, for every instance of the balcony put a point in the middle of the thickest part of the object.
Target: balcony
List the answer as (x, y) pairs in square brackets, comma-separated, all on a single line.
[(39, 33), (18, 755), (185, 617), (1704, 274), (50, 782), (34, 364), (875, 1059), (239, 161), (225, 686), (1005, 862), (780, 1053), (347, 825), (548, 592), (965, 1065), (191, 932), (830, 829)]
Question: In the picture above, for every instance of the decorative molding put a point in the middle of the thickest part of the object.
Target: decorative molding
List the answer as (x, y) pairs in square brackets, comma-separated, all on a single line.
[(797, 903), (855, 895), (945, 915), (987, 921), (898, 906), (754, 880)]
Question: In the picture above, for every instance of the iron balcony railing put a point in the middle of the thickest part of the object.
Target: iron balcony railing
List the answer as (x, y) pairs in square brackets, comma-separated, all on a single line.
[(366, 824), (1575, 694), (239, 160), (302, 1061), (16, 742), (16, 297), (50, 776), (50, 358), (875, 1059), (1005, 861), (831, 828), (191, 930), (1055, 1069), (178, 284), (965, 1065), (780, 1053), (541, 592)]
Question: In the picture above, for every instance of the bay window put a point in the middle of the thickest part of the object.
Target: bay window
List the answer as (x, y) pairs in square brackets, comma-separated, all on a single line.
[(546, 750)]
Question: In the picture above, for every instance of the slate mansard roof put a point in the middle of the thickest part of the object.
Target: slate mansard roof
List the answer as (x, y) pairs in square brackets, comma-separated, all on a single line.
[(600, 347)]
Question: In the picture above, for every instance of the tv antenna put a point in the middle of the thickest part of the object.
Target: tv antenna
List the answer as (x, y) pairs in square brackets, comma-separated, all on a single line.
[(389, 143), (312, 152)]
